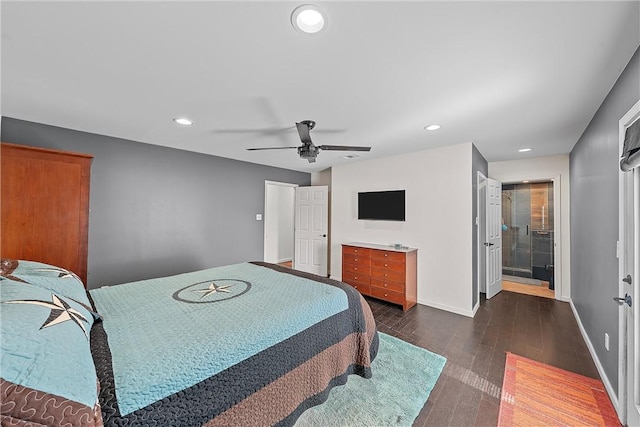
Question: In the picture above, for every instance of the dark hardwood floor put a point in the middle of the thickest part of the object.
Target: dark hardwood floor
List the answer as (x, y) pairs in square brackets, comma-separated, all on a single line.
[(468, 390)]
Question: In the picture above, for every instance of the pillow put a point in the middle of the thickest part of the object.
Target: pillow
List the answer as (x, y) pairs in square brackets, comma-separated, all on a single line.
[(45, 354), (56, 279)]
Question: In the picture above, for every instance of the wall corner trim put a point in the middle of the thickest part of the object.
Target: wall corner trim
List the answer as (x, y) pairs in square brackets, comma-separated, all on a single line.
[(605, 380)]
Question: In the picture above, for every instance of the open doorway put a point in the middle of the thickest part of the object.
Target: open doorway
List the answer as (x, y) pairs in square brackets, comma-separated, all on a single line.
[(279, 200), (528, 218)]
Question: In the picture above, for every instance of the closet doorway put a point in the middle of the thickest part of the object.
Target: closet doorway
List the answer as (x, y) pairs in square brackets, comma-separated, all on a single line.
[(279, 201)]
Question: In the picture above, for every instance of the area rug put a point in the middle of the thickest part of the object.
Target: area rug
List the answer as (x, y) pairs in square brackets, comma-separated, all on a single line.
[(536, 394), (523, 280), (403, 377)]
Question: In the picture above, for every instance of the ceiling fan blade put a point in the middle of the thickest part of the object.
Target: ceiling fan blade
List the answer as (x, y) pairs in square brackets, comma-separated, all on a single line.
[(264, 131), (303, 131), (343, 148), (270, 148)]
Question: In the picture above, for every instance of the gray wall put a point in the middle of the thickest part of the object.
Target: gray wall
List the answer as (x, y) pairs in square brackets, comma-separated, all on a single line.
[(478, 164), (594, 218), (157, 211)]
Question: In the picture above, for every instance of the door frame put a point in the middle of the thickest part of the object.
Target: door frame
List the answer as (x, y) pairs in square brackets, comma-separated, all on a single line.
[(481, 231), (557, 226), (266, 209), (625, 181)]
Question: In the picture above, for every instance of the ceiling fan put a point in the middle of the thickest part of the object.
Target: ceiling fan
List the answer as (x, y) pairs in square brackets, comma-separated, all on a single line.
[(308, 150)]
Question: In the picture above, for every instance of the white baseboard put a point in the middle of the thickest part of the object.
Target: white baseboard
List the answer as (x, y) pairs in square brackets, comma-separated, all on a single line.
[(475, 309), (456, 310), (605, 380)]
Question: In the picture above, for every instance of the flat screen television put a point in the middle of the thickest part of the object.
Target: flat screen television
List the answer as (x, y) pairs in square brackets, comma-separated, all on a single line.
[(382, 205)]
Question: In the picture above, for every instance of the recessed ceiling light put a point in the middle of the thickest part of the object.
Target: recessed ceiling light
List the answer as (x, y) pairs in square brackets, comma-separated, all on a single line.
[(524, 150), (308, 19), (432, 127), (525, 181), (183, 121)]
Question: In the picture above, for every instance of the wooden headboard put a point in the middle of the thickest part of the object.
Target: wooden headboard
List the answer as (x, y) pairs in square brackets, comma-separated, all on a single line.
[(45, 206)]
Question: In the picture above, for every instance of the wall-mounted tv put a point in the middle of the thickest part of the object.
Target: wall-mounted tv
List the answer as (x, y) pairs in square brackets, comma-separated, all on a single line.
[(382, 205)]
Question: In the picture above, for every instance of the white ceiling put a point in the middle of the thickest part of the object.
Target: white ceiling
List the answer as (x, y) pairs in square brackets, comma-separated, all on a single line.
[(503, 75)]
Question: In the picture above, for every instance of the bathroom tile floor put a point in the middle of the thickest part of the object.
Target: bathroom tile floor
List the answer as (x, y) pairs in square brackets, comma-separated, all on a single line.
[(541, 291)]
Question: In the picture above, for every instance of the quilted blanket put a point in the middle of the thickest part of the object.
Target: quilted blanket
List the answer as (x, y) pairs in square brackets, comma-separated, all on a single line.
[(47, 374), (245, 344)]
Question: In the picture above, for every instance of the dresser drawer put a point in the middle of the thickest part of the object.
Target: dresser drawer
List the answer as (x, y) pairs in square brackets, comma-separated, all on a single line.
[(389, 255), (355, 259), (348, 267), (386, 264), (395, 276), (386, 295), (354, 250), (363, 289), (355, 278), (387, 284)]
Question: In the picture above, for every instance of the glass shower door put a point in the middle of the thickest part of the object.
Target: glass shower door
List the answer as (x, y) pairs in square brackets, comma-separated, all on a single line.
[(516, 229)]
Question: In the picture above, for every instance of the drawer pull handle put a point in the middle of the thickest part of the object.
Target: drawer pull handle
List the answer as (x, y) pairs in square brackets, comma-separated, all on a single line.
[(386, 295), (355, 268), (356, 260), (355, 277), (386, 254), (386, 265), (385, 285), (356, 251), (385, 274)]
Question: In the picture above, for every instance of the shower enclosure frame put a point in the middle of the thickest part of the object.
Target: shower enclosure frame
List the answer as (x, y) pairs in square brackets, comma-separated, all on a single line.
[(528, 235), (559, 239)]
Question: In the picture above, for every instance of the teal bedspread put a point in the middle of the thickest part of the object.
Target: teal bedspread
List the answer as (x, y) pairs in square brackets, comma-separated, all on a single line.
[(171, 333), (46, 367)]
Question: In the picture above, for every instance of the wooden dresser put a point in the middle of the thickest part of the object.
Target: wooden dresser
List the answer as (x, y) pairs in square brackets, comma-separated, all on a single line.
[(381, 272), (45, 206)]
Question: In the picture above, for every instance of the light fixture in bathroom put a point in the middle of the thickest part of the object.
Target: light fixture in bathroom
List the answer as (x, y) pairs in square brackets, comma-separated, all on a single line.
[(432, 127), (524, 150)]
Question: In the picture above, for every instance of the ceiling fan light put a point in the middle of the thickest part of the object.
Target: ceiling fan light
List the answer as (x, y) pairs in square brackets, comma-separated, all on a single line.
[(432, 127), (308, 19)]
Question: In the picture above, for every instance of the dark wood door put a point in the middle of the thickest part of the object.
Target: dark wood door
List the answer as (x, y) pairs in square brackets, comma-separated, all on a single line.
[(45, 206)]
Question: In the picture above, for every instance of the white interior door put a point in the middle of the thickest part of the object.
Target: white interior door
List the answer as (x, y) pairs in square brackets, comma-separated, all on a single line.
[(633, 317), (311, 229), (493, 242), (630, 291), (629, 285)]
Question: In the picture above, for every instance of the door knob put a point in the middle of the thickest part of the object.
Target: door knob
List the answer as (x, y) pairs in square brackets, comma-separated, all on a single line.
[(626, 299), (324, 235), (488, 244)]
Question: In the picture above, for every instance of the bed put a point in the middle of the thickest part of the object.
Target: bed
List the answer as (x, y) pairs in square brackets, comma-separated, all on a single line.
[(244, 344)]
